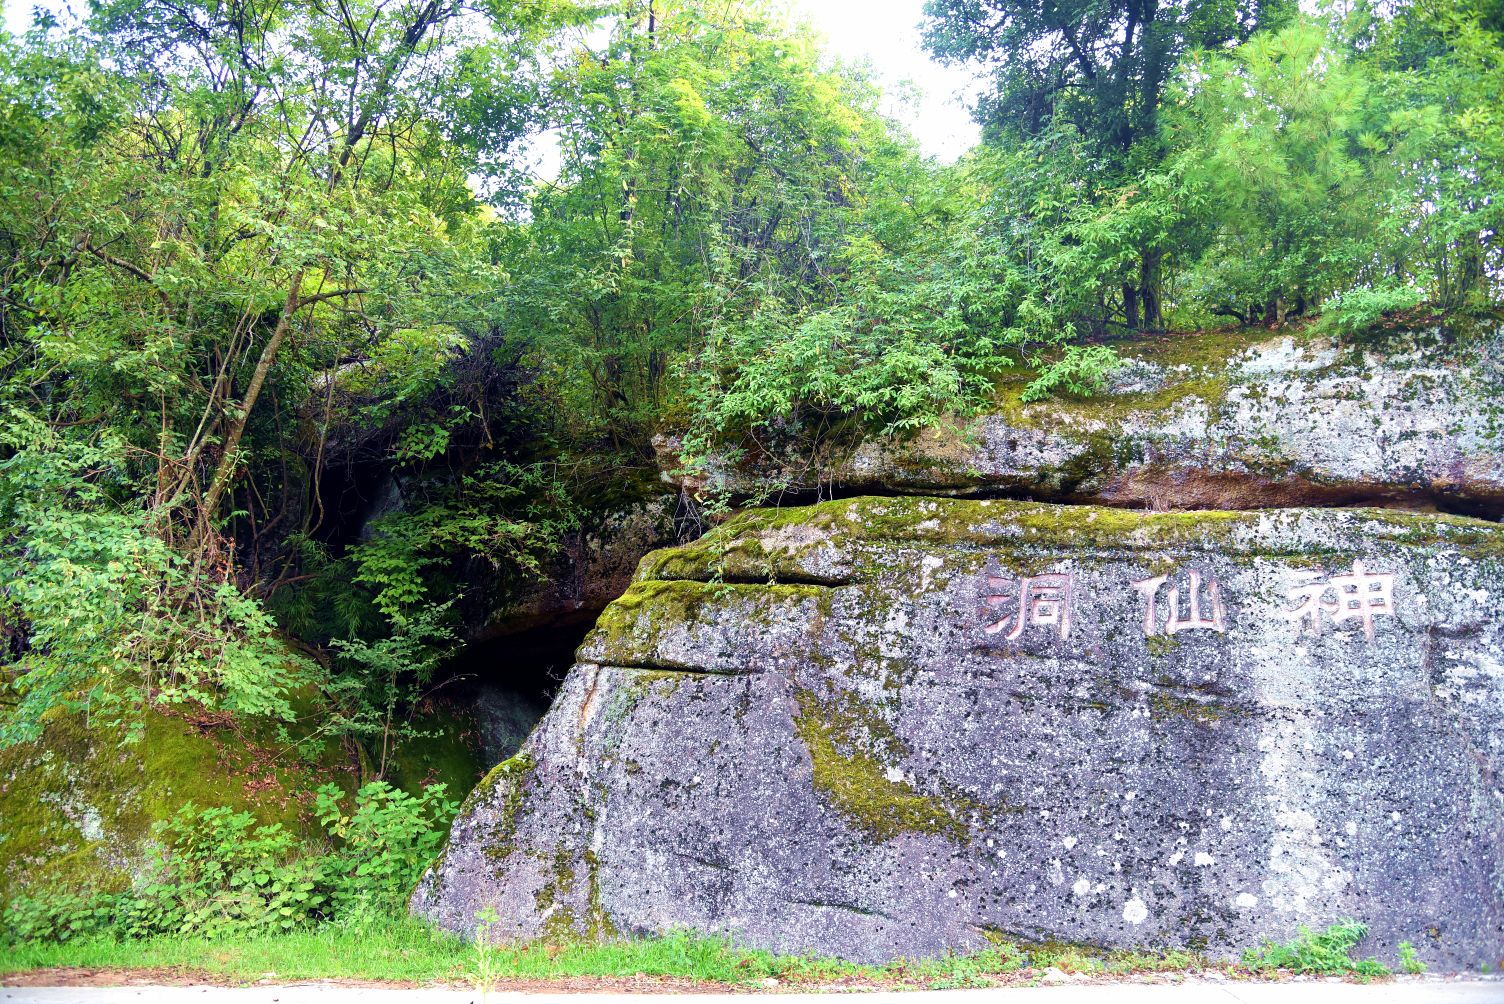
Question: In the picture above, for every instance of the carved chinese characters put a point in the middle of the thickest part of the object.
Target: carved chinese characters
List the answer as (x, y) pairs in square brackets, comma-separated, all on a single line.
[(1187, 601), (1042, 600), (1212, 617), (1360, 594)]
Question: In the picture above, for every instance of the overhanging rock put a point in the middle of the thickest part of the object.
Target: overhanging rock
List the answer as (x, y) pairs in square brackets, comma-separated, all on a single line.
[(882, 727), (1203, 422)]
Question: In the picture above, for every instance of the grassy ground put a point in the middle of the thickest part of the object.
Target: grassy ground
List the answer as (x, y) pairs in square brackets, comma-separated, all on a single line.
[(408, 951), (397, 950)]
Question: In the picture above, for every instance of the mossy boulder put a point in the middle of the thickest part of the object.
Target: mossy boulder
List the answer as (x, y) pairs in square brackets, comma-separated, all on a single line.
[(446, 747), (1233, 420), (80, 804), (896, 727)]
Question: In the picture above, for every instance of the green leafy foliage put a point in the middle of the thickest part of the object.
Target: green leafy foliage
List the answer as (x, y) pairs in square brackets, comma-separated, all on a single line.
[(222, 876), (1359, 310), (380, 681), (383, 845), (113, 615), (1281, 142), (1325, 953), (1101, 67), (1254, 164), (219, 226), (509, 516)]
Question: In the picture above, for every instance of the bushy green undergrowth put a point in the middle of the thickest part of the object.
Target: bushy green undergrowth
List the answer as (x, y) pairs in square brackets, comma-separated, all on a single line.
[(220, 875), (1326, 952)]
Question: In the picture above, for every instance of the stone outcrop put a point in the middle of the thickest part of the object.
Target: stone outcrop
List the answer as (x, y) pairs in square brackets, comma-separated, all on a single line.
[(881, 727), (1201, 422)]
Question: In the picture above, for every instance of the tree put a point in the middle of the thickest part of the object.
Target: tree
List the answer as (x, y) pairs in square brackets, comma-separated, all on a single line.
[(209, 212), (1287, 141), (1098, 67), (335, 106), (1442, 70), (710, 165)]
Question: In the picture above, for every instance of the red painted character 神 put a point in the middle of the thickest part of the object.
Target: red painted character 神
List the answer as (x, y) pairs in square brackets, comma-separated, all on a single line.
[(1360, 595)]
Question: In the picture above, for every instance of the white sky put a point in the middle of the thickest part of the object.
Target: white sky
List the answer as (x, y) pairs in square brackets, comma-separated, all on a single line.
[(883, 32), (886, 33)]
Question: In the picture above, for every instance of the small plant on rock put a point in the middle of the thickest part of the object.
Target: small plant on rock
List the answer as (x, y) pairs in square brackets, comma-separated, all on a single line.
[(1324, 953), (1410, 963)]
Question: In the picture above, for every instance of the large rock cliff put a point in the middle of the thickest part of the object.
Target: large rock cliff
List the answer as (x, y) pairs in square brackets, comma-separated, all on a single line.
[(880, 727)]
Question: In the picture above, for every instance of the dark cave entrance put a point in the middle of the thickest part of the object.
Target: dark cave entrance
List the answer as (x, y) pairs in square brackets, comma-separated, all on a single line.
[(508, 683)]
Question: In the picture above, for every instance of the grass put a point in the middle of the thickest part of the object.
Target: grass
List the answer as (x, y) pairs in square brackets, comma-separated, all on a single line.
[(409, 951), (396, 950), (403, 950)]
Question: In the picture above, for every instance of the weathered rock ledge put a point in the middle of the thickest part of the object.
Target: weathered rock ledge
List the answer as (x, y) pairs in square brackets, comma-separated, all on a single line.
[(1201, 422), (881, 727)]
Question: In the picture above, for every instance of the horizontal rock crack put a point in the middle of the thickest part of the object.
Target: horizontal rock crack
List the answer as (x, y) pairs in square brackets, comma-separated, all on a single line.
[(681, 670)]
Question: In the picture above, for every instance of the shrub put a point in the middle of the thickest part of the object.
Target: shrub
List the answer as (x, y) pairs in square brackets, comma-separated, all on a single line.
[(385, 843), (221, 875), (1409, 961), (63, 916), (1326, 952), (1357, 310)]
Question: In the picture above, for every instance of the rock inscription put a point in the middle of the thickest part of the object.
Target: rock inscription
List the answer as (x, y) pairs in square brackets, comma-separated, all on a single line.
[(1213, 619), (1036, 600), (1046, 601), (1359, 594)]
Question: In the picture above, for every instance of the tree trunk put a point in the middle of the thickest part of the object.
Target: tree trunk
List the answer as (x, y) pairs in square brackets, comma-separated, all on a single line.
[(1274, 312), (1130, 305), (1148, 290), (1473, 277), (225, 469)]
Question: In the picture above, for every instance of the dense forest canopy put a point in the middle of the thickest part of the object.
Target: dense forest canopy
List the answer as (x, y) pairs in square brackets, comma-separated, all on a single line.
[(251, 246)]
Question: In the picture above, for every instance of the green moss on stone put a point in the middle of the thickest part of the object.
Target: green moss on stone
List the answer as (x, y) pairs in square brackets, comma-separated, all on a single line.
[(1476, 538), (869, 529), (80, 804), (598, 923), (1161, 645), (629, 631), (840, 739), (1168, 705), (1195, 371), (676, 601), (562, 924), (506, 785), (643, 682), (445, 749)]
